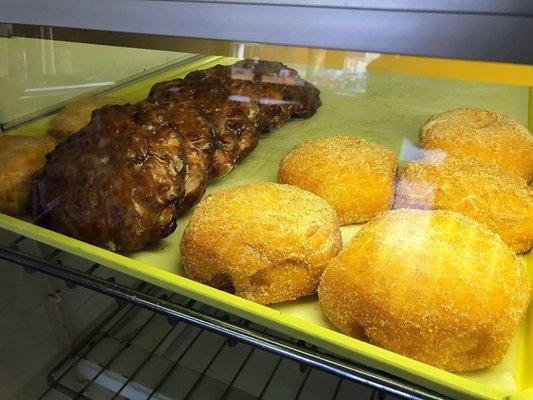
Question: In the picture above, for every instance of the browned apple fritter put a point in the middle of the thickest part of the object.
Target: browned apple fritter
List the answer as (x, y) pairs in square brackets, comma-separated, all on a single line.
[(116, 183), (122, 180)]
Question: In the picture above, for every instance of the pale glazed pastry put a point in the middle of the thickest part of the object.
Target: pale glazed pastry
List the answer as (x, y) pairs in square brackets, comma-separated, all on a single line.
[(489, 137), (356, 176), (265, 242), (77, 114), (435, 286), (20, 157), (500, 200)]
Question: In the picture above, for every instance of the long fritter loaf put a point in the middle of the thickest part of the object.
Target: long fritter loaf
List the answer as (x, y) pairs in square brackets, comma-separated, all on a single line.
[(123, 179), (197, 138), (116, 183), (270, 90), (242, 101)]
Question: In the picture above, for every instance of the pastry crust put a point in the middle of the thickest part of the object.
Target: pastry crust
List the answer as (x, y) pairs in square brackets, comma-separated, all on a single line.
[(241, 101), (355, 175), (197, 139), (77, 114), (265, 242), (431, 285), (489, 137), (123, 179), (21, 156), (116, 183), (500, 200)]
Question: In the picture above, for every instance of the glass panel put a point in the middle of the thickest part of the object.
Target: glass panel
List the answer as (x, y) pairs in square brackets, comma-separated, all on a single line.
[(417, 135), (36, 74)]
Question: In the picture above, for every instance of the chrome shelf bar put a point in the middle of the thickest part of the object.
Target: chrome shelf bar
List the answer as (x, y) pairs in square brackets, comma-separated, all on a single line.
[(179, 310)]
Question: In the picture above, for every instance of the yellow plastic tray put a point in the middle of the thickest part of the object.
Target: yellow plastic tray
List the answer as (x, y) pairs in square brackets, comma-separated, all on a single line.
[(387, 108)]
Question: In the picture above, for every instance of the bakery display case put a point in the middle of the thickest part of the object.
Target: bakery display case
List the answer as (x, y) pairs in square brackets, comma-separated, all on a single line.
[(303, 199)]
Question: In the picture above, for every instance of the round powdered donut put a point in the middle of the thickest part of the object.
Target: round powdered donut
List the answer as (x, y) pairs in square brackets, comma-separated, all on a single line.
[(265, 242), (500, 200), (77, 114), (354, 175), (435, 286), (489, 137), (20, 157)]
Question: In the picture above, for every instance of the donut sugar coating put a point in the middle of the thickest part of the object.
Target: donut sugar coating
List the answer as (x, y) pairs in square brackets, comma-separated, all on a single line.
[(432, 285), (490, 137), (355, 175), (500, 200), (265, 242), (20, 157), (77, 114)]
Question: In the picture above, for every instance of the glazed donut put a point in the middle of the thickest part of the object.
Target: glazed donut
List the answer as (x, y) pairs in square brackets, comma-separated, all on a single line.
[(356, 176), (265, 242), (500, 200), (489, 137), (21, 156), (434, 286), (77, 114)]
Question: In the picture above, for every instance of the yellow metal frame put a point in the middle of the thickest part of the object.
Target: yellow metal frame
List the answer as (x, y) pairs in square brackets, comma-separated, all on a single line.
[(362, 352)]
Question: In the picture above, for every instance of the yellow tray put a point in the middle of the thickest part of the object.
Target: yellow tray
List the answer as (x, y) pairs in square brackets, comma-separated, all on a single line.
[(387, 108)]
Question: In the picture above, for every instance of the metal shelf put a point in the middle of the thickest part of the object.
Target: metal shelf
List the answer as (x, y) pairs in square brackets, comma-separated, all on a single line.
[(184, 314), (181, 361), (454, 29)]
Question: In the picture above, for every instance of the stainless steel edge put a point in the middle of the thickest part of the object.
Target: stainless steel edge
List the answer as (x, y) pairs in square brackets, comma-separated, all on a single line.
[(358, 373), (500, 35), (474, 6)]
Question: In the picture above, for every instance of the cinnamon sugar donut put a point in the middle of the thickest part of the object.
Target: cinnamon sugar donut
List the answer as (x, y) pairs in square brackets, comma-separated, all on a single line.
[(431, 285), (500, 200), (355, 175), (490, 137), (265, 242)]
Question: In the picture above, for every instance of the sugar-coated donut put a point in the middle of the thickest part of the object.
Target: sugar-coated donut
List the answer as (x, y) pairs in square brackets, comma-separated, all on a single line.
[(500, 200), (77, 114), (265, 242), (489, 137), (356, 176), (435, 286), (20, 157)]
